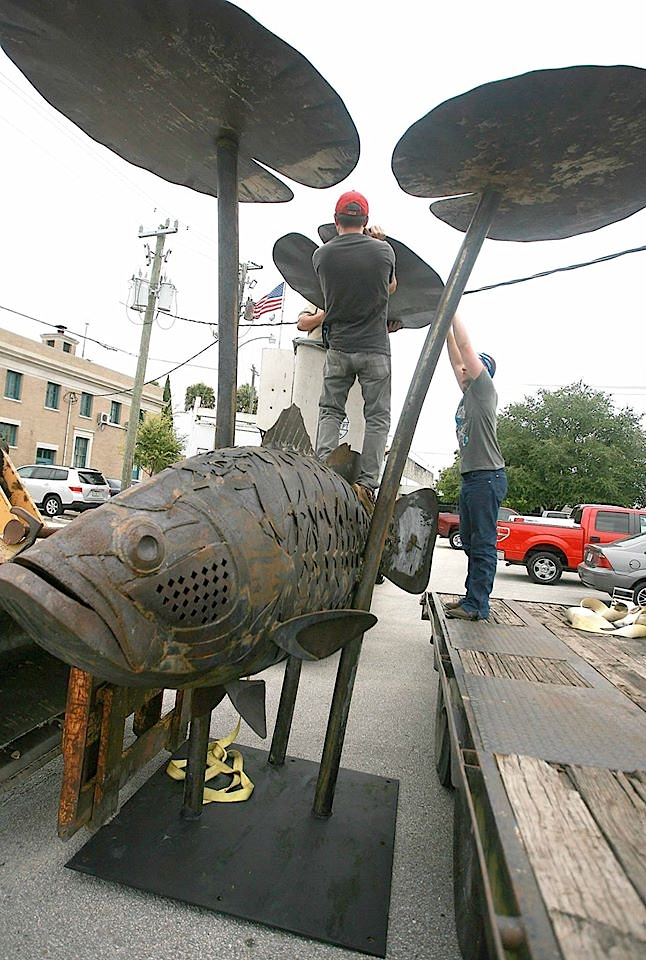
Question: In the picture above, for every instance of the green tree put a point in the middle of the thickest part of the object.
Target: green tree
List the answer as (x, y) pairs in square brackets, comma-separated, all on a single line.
[(246, 399), (448, 483), (157, 445), (571, 446), (199, 390), (167, 410)]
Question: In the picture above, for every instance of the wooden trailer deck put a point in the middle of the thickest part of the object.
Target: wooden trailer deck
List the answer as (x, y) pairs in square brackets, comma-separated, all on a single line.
[(541, 729)]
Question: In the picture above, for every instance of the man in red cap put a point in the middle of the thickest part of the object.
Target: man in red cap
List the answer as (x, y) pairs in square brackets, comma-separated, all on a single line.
[(356, 270)]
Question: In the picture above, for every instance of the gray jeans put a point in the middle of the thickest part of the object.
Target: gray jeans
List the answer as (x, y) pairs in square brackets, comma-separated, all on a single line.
[(373, 373)]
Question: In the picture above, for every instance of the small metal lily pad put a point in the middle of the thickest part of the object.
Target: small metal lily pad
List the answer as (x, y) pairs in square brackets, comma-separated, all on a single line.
[(419, 287)]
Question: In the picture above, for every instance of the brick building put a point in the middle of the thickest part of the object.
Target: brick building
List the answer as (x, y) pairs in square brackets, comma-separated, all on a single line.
[(56, 407)]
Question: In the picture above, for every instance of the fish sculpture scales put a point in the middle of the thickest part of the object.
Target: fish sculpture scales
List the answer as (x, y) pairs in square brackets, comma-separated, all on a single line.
[(213, 570)]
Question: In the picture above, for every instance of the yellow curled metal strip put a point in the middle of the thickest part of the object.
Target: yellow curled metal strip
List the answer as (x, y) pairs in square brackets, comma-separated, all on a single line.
[(240, 788)]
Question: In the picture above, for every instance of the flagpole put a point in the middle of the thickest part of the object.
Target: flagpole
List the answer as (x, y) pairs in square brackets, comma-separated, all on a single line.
[(282, 312)]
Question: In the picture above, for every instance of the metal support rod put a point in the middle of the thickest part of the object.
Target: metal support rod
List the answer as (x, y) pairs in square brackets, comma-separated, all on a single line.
[(228, 290), (198, 743), (285, 713), (436, 337), (228, 243)]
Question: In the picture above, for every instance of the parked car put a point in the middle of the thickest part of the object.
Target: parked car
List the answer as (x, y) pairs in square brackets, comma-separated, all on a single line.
[(621, 564), (115, 485), (55, 489), (448, 524)]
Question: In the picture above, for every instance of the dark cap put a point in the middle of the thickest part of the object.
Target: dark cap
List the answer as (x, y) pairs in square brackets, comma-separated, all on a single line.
[(489, 363)]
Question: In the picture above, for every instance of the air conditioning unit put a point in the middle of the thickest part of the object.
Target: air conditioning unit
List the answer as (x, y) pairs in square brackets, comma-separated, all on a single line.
[(102, 419)]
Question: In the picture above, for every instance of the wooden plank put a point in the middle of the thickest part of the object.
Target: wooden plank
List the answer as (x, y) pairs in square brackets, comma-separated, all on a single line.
[(621, 661), (519, 667), (591, 902), (619, 807)]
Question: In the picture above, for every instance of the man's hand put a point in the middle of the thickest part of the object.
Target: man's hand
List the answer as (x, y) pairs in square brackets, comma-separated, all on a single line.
[(376, 232), (394, 325)]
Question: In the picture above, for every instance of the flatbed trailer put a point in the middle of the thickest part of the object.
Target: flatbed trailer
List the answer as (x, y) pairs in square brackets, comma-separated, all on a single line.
[(541, 731)]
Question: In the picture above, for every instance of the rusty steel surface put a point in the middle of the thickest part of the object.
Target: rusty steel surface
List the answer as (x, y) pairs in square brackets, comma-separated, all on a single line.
[(190, 576), (564, 148), (419, 287), (159, 83), (213, 570)]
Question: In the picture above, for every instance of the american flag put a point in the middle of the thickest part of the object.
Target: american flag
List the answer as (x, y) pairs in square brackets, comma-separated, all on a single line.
[(270, 303)]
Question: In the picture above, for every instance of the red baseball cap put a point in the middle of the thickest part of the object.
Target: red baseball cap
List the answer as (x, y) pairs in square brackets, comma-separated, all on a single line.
[(352, 204)]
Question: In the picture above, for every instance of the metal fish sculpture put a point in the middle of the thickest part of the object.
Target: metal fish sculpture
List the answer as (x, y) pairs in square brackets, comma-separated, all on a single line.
[(213, 570)]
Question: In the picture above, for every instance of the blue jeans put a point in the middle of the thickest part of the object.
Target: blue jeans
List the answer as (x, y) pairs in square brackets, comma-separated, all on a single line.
[(373, 373), (481, 494)]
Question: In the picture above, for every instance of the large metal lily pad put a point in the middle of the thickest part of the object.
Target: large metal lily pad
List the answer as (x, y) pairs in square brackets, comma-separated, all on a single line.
[(565, 149), (159, 82), (419, 287)]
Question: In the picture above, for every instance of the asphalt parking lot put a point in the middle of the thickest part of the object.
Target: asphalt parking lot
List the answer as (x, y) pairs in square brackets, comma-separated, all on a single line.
[(55, 913)]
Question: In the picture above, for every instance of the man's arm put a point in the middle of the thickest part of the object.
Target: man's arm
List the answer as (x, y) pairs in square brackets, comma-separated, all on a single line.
[(470, 358), (308, 321)]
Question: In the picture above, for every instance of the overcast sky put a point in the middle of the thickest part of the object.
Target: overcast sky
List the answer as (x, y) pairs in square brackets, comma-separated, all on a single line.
[(71, 210)]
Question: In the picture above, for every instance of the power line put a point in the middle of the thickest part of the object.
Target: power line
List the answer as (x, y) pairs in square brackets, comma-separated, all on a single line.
[(547, 273)]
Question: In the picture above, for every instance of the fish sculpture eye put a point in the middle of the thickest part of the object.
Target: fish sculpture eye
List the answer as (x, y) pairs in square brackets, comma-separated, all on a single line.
[(141, 546)]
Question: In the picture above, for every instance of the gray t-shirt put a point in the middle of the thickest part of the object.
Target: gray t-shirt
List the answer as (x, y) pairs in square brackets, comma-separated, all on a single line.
[(354, 271), (475, 426)]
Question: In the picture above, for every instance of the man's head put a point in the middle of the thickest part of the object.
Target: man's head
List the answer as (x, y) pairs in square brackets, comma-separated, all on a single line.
[(489, 363), (351, 210)]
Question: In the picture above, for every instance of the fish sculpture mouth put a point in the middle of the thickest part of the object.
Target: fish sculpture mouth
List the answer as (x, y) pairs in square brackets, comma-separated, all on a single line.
[(61, 624)]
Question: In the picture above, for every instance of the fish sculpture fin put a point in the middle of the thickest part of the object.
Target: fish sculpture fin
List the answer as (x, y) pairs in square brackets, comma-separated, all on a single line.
[(408, 552), (315, 636), (248, 697), (345, 462), (289, 433)]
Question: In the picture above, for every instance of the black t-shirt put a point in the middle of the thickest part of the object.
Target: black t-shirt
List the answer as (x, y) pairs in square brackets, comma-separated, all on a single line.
[(354, 271)]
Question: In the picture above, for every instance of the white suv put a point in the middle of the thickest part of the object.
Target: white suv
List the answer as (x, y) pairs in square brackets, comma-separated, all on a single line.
[(55, 489)]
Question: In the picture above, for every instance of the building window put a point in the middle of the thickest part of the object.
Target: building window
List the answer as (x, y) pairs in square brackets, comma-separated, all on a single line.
[(45, 455), (81, 449), (115, 412), (86, 405), (52, 396), (9, 432), (13, 385), (67, 347)]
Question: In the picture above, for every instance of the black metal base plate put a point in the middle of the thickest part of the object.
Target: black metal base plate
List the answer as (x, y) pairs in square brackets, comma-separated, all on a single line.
[(266, 859)]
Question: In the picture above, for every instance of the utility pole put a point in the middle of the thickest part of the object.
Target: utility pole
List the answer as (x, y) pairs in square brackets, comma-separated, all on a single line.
[(137, 388), (252, 391)]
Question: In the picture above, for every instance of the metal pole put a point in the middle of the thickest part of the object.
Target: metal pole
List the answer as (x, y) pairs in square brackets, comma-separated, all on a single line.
[(138, 384), (285, 713), (198, 743), (228, 306), (457, 281)]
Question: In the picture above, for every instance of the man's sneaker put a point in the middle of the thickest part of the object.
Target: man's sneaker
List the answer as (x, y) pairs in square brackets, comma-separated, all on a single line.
[(366, 497), (459, 613), (453, 604)]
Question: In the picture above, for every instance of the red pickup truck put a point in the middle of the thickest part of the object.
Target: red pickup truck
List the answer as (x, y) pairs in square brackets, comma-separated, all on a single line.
[(448, 524), (548, 547)]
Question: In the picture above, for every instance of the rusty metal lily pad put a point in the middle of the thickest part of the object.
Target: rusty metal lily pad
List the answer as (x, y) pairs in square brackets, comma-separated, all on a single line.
[(418, 286), (565, 149), (158, 83)]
